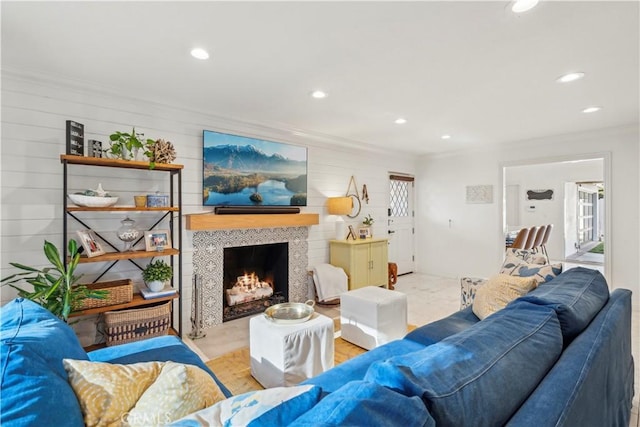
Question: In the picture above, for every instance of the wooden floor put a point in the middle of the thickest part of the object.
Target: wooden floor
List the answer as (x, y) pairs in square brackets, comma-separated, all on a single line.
[(234, 371)]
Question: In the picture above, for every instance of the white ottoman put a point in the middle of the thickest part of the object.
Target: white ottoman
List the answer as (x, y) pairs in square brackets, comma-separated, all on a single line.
[(284, 355), (372, 316)]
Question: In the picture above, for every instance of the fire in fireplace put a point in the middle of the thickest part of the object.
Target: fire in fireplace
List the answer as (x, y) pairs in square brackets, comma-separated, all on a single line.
[(255, 277)]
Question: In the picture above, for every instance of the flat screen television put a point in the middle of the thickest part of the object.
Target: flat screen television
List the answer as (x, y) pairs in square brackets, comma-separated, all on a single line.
[(243, 171)]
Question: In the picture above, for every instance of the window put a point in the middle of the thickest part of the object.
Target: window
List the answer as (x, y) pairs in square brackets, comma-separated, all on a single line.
[(399, 195)]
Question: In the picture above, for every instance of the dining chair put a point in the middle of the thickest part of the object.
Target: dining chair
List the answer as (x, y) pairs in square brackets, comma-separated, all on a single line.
[(545, 239), (531, 238), (521, 239), (539, 236)]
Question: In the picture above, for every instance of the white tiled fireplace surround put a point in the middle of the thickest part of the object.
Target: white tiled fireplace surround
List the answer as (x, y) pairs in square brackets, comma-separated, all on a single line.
[(208, 249)]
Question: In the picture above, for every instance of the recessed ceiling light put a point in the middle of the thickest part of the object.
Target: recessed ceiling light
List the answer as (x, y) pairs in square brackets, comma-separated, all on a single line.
[(570, 77), (318, 94), (400, 121), (199, 53), (592, 109), (520, 6), (445, 136)]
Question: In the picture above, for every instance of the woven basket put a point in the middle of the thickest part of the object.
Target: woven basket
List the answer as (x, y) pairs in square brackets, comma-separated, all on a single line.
[(120, 292), (137, 324)]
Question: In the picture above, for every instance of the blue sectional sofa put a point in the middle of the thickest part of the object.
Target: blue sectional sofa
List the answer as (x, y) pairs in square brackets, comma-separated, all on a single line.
[(33, 381), (559, 356)]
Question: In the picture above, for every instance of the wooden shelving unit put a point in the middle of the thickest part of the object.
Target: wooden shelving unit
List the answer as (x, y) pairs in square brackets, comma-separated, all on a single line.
[(116, 256), (103, 345), (171, 213), (137, 301), (120, 209), (117, 163)]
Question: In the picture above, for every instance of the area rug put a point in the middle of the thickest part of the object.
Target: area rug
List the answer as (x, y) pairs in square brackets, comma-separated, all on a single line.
[(233, 368)]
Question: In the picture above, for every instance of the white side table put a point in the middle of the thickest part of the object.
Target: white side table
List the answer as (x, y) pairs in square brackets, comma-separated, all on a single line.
[(372, 316), (284, 355)]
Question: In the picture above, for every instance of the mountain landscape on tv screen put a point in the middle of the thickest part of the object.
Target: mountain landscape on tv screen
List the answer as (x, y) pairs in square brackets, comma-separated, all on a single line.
[(241, 175)]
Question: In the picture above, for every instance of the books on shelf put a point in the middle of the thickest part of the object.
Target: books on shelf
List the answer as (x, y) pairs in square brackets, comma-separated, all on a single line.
[(149, 294)]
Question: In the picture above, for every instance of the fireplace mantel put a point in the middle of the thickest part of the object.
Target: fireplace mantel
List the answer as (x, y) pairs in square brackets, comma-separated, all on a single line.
[(209, 221)]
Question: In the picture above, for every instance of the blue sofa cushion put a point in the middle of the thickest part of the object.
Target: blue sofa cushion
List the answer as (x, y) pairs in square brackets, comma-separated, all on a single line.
[(576, 295), (158, 349), (592, 382), (34, 384), (356, 368), (443, 328), (360, 403), (482, 375)]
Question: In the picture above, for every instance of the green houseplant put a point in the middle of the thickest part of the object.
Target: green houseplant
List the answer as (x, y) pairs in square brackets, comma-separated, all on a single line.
[(368, 220), (125, 145), (54, 287), (156, 274)]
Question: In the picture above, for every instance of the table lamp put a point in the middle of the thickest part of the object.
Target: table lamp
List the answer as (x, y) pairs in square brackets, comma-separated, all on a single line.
[(340, 206)]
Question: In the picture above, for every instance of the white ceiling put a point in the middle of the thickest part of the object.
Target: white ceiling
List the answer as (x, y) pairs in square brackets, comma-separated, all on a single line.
[(472, 69)]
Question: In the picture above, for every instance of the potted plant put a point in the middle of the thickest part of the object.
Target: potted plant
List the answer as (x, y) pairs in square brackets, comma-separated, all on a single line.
[(55, 287), (368, 220), (156, 274), (125, 145)]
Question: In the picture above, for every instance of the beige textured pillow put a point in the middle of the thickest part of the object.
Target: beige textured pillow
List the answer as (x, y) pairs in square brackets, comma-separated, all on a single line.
[(179, 390), (499, 291), (107, 391), (150, 393)]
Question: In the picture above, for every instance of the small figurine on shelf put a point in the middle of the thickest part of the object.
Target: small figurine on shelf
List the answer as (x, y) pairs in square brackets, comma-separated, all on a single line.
[(161, 151)]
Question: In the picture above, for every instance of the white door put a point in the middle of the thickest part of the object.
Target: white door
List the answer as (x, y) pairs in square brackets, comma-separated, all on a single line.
[(401, 225)]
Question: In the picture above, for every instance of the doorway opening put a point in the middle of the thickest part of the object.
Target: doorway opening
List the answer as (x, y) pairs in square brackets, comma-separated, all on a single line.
[(569, 193), (585, 212)]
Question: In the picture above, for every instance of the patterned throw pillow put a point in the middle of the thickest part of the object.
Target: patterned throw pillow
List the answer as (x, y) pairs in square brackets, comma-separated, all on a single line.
[(149, 393), (276, 406), (499, 291), (526, 255), (468, 288), (542, 273), (179, 390)]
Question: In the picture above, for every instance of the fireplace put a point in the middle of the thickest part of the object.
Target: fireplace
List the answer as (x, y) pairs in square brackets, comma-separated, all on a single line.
[(208, 264), (254, 277)]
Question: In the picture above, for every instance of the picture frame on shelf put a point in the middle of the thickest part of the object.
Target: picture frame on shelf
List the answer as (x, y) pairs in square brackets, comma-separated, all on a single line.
[(90, 243), (352, 233), (157, 240), (364, 232)]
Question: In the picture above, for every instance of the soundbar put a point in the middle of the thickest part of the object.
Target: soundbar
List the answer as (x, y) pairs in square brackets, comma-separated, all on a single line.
[(243, 210)]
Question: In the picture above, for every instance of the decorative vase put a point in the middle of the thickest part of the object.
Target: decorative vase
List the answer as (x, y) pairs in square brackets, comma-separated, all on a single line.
[(127, 233), (155, 285)]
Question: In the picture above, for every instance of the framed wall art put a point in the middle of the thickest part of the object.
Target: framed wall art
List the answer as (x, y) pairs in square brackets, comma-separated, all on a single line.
[(546, 194), (479, 194)]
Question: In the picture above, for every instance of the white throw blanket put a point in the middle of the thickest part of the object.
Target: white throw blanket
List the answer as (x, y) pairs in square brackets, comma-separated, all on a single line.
[(330, 281)]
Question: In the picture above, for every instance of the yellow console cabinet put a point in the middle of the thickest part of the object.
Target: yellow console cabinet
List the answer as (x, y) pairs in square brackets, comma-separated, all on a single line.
[(365, 261)]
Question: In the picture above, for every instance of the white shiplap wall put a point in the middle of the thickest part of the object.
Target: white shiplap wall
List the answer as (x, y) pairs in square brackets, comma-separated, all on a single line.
[(34, 111)]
